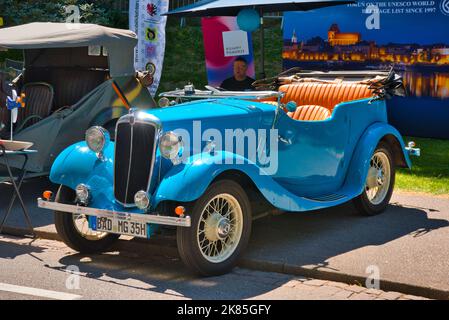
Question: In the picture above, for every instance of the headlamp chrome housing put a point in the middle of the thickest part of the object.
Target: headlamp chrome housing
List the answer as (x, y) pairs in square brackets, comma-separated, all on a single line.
[(142, 200), (97, 139), (171, 146), (82, 194), (164, 102)]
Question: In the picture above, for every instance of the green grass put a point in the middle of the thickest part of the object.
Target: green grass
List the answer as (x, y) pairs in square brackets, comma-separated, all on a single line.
[(430, 172)]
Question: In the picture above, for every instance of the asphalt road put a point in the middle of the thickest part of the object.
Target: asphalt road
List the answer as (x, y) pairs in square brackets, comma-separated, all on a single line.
[(407, 244), (44, 269)]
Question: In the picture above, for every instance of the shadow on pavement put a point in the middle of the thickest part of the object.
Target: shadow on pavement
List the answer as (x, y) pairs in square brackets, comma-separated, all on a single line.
[(312, 238), (293, 238), (315, 239), (169, 276), (31, 190), (9, 250)]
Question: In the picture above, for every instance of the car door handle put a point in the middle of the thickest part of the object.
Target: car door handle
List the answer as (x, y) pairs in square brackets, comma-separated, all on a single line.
[(284, 140)]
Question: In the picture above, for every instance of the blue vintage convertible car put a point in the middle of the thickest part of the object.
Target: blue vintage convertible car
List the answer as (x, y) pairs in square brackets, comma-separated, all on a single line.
[(209, 167)]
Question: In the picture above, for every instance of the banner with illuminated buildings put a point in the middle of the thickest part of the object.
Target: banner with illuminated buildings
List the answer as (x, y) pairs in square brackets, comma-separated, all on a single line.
[(146, 20), (412, 35)]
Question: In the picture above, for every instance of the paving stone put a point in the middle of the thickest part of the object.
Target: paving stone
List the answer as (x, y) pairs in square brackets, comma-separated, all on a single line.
[(315, 282), (410, 297), (342, 294), (302, 279), (390, 295), (374, 291), (242, 271), (327, 290), (362, 296), (300, 287), (338, 284), (292, 283), (355, 288)]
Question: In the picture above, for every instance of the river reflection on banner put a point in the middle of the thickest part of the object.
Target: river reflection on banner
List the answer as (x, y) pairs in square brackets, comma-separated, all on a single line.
[(411, 36)]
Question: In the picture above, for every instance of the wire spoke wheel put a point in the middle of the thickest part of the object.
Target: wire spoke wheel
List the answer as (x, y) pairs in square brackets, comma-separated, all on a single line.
[(81, 225), (378, 180), (220, 231), (220, 228)]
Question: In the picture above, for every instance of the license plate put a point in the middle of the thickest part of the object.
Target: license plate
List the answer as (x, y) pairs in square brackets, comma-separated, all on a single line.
[(121, 226)]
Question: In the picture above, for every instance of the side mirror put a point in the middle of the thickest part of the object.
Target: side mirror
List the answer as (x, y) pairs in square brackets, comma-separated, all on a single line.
[(291, 106)]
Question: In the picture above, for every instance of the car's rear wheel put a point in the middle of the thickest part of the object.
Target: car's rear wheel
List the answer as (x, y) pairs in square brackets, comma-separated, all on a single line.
[(74, 229), (220, 231), (379, 182)]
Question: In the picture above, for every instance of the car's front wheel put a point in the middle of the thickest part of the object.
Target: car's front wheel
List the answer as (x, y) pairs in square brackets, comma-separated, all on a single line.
[(220, 231), (379, 182), (74, 228)]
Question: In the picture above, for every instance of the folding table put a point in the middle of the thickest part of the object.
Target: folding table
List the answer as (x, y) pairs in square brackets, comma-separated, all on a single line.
[(16, 184)]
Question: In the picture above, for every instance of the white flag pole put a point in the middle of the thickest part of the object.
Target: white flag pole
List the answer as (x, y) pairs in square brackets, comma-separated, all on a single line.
[(14, 113), (146, 20)]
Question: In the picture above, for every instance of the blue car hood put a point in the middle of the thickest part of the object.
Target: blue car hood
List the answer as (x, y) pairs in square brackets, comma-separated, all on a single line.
[(221, 112)]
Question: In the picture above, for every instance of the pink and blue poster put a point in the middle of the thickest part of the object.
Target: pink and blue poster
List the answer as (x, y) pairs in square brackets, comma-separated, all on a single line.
[(219, 62)]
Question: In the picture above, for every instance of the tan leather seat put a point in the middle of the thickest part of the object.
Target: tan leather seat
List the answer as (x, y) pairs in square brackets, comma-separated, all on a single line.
[(310, 113), (326, 95)]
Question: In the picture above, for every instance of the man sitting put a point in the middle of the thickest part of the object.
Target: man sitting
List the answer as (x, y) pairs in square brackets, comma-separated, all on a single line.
[(240, 81)]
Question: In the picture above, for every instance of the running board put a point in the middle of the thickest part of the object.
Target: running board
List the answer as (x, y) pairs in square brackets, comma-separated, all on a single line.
[(328, 198)]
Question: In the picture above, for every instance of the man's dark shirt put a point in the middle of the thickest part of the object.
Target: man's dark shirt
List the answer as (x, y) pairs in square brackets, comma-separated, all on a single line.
[(232, 84)]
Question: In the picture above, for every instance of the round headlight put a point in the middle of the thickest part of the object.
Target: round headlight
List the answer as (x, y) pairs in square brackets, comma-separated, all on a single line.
[(97, 138), (141, 200), (170, 145), (82, 193), (164, 102)]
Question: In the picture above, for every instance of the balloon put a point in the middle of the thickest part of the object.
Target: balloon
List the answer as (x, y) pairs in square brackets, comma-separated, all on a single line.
[(248, 20)]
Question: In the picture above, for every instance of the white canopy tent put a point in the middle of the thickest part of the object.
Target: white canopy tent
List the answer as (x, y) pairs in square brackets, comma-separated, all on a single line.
[(119, 43)]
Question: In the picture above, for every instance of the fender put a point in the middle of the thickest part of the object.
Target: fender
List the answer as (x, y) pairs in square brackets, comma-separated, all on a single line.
[(359, 165), (78, 164), (187, 182)]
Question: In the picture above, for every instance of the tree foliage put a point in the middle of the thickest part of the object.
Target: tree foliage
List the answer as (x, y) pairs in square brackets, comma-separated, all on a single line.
[(15, 12), (25, 11)]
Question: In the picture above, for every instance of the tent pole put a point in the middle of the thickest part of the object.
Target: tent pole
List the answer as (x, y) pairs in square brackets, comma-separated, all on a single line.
[(262, 48)]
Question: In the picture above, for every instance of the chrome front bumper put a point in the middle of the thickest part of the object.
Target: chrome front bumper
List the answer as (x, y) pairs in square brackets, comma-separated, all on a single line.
[(143, 218)]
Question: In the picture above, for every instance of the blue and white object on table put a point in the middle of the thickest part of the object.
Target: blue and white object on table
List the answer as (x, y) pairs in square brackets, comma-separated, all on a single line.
[(13, 104)]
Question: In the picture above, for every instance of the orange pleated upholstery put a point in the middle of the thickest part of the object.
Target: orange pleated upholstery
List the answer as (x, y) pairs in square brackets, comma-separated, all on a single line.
[(310, 113), (327, 95)]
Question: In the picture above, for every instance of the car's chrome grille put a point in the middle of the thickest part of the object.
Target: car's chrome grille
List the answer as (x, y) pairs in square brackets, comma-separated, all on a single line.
[(134, 158)]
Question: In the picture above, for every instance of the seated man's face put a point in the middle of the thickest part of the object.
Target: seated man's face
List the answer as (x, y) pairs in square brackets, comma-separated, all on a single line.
[(240, 69)]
